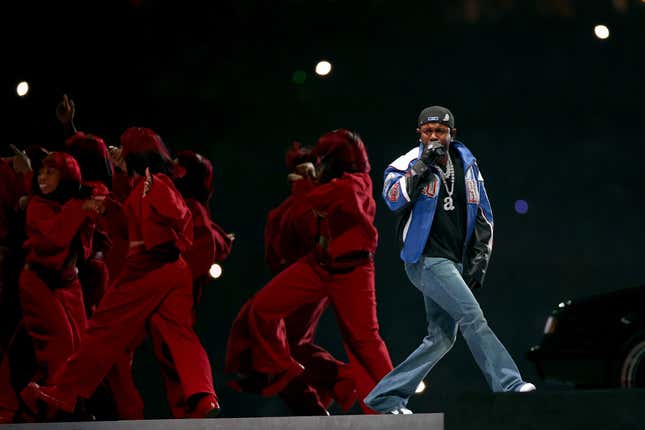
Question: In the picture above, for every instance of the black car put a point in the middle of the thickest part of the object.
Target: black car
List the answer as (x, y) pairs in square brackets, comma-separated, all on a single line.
[(595, 342)]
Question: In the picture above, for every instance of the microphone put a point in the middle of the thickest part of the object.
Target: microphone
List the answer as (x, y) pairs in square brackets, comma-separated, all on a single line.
[(434, 144), (436, 147)]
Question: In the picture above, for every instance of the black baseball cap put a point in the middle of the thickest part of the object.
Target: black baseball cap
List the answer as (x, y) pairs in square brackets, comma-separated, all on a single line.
[(436, 114)]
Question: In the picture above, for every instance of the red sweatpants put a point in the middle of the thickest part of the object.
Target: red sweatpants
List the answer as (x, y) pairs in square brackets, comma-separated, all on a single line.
[(352, 296), (330, 377), (17, 367), (161, 298), (128, 404), (54, 319), (127, 400), (162, 350), (94, 278)]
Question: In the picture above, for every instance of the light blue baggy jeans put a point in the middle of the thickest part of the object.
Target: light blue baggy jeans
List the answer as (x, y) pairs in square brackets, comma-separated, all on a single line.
[(450, 305)]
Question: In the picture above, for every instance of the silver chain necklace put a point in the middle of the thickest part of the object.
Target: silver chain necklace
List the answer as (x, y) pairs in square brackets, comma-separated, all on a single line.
[(448, 204)]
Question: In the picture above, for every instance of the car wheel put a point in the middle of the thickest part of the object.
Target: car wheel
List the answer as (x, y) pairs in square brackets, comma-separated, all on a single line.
[(632, 366)]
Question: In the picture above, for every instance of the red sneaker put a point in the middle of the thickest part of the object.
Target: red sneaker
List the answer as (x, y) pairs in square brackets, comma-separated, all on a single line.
[(207, 407), (52, 396)]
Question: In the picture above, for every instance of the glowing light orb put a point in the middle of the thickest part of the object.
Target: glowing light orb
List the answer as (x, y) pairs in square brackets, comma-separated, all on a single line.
[(601, 31), (521, 207), (215, 271), (323, 68), (22, 89)]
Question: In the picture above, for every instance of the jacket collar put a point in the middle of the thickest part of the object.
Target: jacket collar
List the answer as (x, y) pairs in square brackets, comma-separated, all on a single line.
[(467, 156)]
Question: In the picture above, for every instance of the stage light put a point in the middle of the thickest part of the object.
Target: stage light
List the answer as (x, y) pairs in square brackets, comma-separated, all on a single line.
[(521, 207), (22, 89), (601, 31), (323, 68), (215, 271), (420, 388)]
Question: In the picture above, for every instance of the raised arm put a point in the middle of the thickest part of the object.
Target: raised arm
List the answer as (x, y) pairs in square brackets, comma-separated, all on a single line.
[(405, 177)]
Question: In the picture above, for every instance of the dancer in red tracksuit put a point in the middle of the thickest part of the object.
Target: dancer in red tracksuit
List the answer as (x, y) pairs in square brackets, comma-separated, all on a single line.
[(59, 227), (340, 268), (15, 183), (98, 171), (211, 244), (154, 289), (120, 398), (16, 177), (91, 153), (288, 237), (16, 363)]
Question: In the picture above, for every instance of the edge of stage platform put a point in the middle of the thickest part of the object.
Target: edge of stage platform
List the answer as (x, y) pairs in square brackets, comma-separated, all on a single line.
[(543, 409), (339, 422)]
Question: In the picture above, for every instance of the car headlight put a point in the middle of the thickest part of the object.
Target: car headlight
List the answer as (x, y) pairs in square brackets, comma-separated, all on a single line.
[(549, 327)]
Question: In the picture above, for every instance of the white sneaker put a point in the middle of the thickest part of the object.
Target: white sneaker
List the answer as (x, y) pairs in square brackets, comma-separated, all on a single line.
[(401, 411), (525, 388)]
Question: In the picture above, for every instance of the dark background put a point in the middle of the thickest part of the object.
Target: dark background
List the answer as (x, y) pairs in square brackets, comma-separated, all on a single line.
[(553, 114)]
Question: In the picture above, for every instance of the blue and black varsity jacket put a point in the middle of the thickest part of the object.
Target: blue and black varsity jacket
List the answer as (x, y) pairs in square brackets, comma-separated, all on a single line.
[(416, 200)]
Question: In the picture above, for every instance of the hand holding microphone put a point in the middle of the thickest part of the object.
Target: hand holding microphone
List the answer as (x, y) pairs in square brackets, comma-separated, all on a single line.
[(433, 151)]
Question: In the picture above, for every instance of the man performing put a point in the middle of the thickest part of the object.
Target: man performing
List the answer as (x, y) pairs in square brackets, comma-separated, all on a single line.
[(446, 234)]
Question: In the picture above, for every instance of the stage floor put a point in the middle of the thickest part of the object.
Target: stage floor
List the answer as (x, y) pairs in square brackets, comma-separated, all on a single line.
[(543, 409), (341, 422)]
